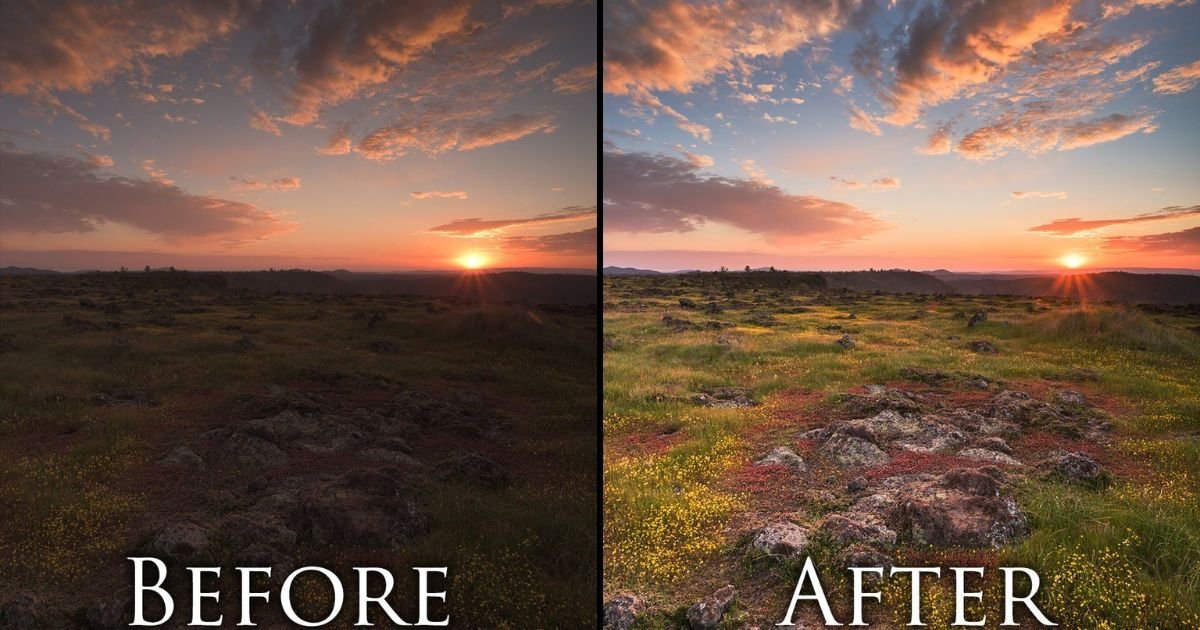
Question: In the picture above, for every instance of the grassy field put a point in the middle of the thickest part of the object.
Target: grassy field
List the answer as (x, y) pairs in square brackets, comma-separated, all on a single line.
[(451, 434), (683, 498)]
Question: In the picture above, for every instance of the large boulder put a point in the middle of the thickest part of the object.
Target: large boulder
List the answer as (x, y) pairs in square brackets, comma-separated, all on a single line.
[(783, 538), (962, 508), (852, 450), (181, 540), (622, 611)]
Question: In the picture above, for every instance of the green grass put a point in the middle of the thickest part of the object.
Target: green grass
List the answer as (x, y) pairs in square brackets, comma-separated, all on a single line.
[(1149, 363)]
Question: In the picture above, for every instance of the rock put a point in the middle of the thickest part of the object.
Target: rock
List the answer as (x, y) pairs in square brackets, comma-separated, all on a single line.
[(867, 558), (255, 452), (724, 397), (982, 347), (846, 530), (20, 612), (977, 319), (995, 444), (856, 485), (784, 456), (389, 456), (180, 540), (1079, 468), (116, 612), (687, 302), (1067, 397), (341, 512), (986, 455), (382, 346), (712, 308), (475, 469), (679, 324), (962, 508), (79, 324), (622, 611), (184, 457), (781, 539), (880, 398), (376, 317), (762, 318), (727, 340), (708, 613), (846, 341), (245, 343), (850, 450), (256, 529)]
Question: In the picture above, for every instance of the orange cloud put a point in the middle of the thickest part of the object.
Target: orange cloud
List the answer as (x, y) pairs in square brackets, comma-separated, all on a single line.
[(1182, 242), (1179, 79), (434, 194), (75, 45), (576, 80), (1075, 225), (476, 227)]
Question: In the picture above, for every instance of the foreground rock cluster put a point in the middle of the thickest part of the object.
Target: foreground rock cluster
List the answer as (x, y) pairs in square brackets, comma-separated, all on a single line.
[(967, 501)]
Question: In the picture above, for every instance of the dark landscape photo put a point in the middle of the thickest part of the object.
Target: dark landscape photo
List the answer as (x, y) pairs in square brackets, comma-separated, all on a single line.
[(298, 284), (901, 284)]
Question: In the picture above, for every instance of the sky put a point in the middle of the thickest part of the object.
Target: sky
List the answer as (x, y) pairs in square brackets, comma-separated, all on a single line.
[(248, 134), (979, 135)]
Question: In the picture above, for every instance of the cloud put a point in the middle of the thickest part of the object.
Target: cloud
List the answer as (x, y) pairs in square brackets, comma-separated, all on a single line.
[(656, 193), (1039, 195), (757, 175), (1179, 79), (695, 159), (861, 120), (59, 194), (644, 100), (434, 194), (953, 47), (350, 47), (841, 183), (938, 142), (56, 107), (576, 80), (261, 121), (1040, 128), (881, 183), (433, 134), (477, 227), (569, 243), (1075, 225), (1182, 242), (886, 183), (1135, 74), (1119, 8), (535, 73), (179, 119), (673, 45), (338, 144), (280, 184), (97, 160), (76, 45), (156, 174)]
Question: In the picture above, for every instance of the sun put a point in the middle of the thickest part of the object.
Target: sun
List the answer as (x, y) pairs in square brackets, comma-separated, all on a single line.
[(1072, 261), (473, 260)]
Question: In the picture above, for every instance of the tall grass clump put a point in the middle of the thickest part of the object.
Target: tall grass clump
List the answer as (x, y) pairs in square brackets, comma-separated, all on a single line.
[(1113, 327)]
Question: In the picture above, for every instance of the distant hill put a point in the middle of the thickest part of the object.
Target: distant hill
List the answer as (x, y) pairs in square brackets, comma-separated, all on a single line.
[(1109, 286), (886, 281), (630, 271), (25, 271)]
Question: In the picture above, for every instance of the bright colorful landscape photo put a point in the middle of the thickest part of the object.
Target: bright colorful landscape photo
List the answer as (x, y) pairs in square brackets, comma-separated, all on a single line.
[(907, 283)]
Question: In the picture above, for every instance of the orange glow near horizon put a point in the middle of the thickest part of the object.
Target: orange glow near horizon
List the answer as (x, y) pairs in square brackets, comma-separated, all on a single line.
[(473, 260), (1073, 261)]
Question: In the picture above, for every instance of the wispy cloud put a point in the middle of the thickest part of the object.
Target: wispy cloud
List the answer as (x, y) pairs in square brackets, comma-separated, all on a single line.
[(1075, 225), (1032, 194), (435, 194), (476, 227)]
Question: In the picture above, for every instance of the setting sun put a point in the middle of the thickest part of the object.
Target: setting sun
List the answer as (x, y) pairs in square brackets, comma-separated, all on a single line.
[(1073, 261), (473, 260)]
